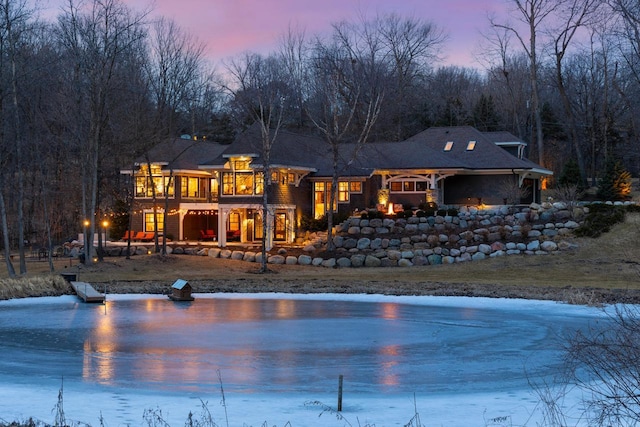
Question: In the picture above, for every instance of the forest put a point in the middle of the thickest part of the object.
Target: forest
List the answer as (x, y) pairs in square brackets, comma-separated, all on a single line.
[(86, 94)]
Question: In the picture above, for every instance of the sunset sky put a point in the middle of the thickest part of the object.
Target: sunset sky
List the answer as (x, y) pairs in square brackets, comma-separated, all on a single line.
[(230, 27)]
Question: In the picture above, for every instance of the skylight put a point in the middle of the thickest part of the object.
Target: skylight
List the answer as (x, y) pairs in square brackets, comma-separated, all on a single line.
[(471, 145), (448, 146)]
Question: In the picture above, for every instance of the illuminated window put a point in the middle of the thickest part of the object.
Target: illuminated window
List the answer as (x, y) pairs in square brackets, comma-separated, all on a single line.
[(150, 225), (448, 146), (343, 191), (190, 187), (408, 186), (241, 165), (244, 183), (471, 145), (146, 184), (259, 183), (227, 183), (355, 187)]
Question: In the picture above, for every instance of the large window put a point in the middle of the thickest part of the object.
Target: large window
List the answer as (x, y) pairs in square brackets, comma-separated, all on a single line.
[(145, 185), (150, 225), (242, 183), (192, 187)]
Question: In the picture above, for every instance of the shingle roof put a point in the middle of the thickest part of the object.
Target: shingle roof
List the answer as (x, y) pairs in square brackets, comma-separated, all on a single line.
[(422, 151), (485, 155), (183, 154)]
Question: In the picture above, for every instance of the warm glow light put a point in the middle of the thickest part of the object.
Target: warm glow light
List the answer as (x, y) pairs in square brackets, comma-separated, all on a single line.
[(105, 223), (86, 223), (390, 210)]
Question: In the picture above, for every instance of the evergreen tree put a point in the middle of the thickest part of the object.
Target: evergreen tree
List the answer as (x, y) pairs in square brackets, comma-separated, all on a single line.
[(571, 176), (485, 117), (615, 183)]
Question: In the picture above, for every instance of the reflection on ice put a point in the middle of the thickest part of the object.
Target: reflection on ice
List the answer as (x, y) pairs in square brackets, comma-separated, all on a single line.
[(283, 344)]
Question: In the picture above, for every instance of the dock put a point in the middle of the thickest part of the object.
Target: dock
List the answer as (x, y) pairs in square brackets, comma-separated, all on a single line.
[(86, 292)]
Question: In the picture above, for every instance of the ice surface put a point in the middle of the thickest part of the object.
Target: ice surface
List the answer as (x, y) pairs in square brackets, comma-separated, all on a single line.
[(457, 361)]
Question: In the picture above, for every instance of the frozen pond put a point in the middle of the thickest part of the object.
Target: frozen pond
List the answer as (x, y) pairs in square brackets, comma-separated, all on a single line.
[(279, 345)]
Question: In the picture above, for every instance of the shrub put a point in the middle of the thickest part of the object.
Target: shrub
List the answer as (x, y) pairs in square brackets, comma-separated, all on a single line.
[(602, 217), (429, 208)]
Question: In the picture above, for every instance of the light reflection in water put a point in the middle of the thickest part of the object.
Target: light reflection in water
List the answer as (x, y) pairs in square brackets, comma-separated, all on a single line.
[(278, 345)]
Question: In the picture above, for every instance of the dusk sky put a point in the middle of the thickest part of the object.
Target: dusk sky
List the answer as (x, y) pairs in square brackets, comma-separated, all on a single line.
[(230, 27)]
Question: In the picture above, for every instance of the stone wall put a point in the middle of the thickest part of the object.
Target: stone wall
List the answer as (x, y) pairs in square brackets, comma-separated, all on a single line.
[(471, 235)]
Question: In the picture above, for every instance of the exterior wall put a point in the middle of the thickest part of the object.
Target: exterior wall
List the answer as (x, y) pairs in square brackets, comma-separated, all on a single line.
[(472, 190)]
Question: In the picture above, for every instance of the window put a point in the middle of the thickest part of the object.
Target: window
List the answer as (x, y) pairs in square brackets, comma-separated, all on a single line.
[(471, 145), (190, 187), (244, 183), (396, 186), (408, 186), (355, 187), (343, 191), (241, 165), (145, 185), (321, 197), (448, 146), (150, 225), (227, 183)]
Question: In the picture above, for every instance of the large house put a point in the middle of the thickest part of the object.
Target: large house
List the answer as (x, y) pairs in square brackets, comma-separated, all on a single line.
[(214, 191)]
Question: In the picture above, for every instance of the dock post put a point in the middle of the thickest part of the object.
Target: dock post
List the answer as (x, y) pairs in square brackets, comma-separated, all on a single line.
[(340, 393)]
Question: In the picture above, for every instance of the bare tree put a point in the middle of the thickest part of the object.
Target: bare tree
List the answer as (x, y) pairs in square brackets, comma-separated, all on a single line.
[(261, 89), (174, 71), (348, 97), (96, 39), (573, 15), (410, 46), (534, 14)]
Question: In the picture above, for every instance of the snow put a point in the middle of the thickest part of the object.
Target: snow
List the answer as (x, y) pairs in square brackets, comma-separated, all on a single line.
[(32, 392)]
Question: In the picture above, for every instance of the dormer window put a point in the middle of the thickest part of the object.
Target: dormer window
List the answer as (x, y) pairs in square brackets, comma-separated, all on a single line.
[(448, 146), (471, 145)]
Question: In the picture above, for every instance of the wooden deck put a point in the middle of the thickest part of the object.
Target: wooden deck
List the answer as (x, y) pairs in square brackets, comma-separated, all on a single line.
[(86, 292)]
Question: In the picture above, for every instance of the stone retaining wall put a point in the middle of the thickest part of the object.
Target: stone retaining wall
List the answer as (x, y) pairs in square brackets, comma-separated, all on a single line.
[(471, 235)]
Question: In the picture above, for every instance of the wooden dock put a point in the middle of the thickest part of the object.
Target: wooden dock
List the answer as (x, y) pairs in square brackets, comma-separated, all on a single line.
[(86, 292)]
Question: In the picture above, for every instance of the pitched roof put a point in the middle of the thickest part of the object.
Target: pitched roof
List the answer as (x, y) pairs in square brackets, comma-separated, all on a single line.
[(484, 155), (425, 150), (183, 154)]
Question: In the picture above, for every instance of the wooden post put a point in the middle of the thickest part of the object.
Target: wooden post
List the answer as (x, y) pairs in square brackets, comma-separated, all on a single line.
[(340, 393)]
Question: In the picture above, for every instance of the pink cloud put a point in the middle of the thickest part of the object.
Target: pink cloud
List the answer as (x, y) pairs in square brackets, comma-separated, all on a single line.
[(229, 27)]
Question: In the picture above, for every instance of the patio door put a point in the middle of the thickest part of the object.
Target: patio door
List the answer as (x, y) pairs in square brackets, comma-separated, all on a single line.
[(280, 231)]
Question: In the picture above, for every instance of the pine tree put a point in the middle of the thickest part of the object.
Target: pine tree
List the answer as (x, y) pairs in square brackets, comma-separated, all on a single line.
[(615, 183), (571, 176)]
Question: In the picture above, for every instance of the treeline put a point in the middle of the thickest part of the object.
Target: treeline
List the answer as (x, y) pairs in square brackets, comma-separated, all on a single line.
[(86, 93)]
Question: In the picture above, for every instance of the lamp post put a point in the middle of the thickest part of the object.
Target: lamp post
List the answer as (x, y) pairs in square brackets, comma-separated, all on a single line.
[(105, 224), (85, 236)]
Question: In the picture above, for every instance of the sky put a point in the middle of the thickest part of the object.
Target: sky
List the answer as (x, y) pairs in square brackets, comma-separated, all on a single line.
[(231, 27)]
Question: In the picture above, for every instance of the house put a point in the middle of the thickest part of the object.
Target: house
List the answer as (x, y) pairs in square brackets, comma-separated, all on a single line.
[(207, 186)]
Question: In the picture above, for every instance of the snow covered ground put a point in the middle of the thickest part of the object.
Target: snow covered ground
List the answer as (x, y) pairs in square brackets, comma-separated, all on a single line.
[(454, 361)]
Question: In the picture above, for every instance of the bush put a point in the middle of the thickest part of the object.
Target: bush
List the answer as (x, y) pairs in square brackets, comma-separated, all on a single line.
[(602, 217)]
